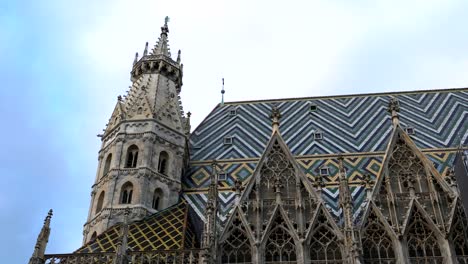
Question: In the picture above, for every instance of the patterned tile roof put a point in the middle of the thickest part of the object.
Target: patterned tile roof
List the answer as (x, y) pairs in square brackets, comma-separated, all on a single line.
[(357, 125), (165, 230), (349, 124)]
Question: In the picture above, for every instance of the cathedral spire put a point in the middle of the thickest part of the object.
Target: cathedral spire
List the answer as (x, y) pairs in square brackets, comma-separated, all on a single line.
[(162, 46), (41, 243)]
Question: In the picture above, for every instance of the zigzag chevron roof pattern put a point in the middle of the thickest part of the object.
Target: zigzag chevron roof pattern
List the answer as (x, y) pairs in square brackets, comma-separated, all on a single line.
[(349, 124), (358, 126)]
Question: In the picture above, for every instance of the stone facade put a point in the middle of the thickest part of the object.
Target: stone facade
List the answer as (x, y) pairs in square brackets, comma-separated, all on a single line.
[(143, 147), (272, 206)]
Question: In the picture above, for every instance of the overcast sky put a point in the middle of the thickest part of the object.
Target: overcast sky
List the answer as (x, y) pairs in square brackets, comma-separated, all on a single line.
[(63, 64)]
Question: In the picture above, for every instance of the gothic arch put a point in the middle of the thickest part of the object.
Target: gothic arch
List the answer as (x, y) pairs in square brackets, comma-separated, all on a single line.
[(236, 241), (459, 233), (323, 238), (378, 244), (100, 202), (126, 193), (422, 237), (280, 243), (157, 200), (107, 164), (163, 162), (131, 159)]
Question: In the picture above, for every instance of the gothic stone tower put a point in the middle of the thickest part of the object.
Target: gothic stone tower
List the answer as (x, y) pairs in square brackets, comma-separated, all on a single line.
[(144, 145)]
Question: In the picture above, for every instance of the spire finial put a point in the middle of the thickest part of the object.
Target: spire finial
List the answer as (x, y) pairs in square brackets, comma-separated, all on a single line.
[(394, 109), (136, 58), (178, 57), (162, 46), (275, 117), (222, 94), (145, 52), (41, 243)]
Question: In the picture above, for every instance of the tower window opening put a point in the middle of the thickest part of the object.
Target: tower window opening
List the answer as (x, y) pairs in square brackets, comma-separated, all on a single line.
[(313, 108), (318, 135), (126, 193), (132, 157), (100, 202), (228, 140), (140, 110), (107, 164), (409, 130), (163, 162), (157, 196)]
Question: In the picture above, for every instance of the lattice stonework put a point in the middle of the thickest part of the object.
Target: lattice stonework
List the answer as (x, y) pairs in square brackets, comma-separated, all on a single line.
[(376, 244), (459, 234), (422, 242), (324, 247), (278, 172), (236, 248), (280, 246)]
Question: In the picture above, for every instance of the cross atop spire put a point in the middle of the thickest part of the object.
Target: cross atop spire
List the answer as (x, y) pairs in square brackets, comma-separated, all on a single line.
[(162, 46)]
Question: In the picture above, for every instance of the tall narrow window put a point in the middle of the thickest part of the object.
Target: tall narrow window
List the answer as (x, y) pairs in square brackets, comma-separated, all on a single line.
[(100, 202), (93, 236), (163, 162), (126, 193), (157, 196), (107, 164), (132, 157)]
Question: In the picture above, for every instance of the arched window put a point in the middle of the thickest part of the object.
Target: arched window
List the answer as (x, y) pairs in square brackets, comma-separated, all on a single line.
[(93, 236), (280, 247), (126, 193), (132, 157), (157, 199), (163, 161), (107, 164), (422, 242), (236, 248), (324, 247), (376, 244), (100, 202)]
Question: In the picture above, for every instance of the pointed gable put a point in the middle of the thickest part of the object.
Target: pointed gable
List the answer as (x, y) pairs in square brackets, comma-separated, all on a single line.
[(277, 179), (236, 240), (377, 236), (118, 115), (140, 107), (324, 238), (407, 174), (421, 234)]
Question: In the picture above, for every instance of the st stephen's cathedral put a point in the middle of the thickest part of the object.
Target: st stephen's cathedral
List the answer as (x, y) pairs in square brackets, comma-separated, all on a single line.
[(365, 178)]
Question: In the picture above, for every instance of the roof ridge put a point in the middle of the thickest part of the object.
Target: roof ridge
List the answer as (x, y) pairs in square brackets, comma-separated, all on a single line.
[(346, 96)]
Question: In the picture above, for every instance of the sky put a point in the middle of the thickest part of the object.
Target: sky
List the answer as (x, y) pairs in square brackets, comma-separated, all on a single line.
[(63, 64)]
